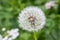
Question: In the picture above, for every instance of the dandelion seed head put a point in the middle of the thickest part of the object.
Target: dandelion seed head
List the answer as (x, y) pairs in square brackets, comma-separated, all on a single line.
[(49, 4), (11, 34), (31, 19)]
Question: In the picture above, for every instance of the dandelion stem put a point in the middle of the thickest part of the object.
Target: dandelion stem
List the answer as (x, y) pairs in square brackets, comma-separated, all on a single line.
[(34, 35)]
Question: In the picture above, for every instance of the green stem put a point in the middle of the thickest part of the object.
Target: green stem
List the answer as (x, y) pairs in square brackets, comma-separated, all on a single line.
[(34, 35)]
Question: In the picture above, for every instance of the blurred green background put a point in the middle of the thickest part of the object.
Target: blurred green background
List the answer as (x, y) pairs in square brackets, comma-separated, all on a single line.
[(10, 9)]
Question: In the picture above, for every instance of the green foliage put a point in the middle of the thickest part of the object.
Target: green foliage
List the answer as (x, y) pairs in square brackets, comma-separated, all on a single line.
[(10, 9)]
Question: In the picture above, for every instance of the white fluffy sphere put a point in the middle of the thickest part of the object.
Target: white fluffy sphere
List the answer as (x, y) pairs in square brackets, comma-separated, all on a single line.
[(31, 16)]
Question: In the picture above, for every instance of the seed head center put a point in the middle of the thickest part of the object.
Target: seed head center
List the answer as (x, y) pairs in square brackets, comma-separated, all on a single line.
[(32, 20)]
